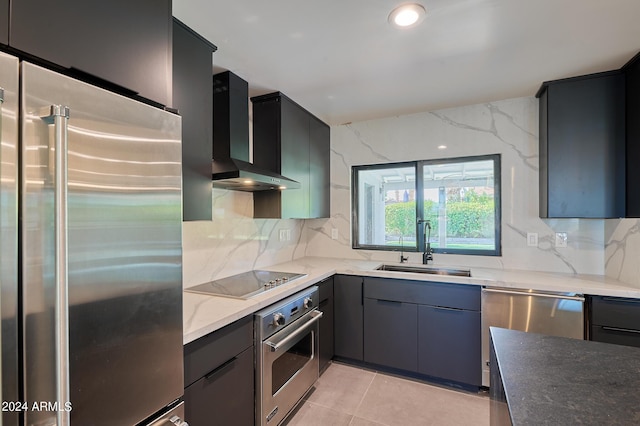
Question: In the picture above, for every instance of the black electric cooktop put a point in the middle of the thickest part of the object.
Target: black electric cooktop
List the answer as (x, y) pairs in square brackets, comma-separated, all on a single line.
[(245, 285)]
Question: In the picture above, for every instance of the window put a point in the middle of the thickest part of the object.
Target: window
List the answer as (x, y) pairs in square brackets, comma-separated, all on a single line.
[(459, 199)]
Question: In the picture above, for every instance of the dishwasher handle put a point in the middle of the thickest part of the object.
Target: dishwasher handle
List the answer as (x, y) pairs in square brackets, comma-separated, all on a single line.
[(578, 298)]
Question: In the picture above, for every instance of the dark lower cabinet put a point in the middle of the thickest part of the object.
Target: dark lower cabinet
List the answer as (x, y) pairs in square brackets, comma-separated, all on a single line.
[(449, 344), (348, 316), (222, 396), (326, 322), (390, 334), (615, 320), (125, 43), (219, 377), (422, 328)]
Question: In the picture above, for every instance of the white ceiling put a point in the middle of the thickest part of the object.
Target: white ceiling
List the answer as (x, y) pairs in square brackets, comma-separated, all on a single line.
[(343, 61)]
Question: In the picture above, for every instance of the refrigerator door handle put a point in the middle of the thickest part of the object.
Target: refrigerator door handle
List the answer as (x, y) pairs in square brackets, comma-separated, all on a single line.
[(58, 115)]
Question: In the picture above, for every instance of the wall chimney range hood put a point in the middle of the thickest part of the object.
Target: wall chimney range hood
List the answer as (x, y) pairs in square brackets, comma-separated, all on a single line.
[(231, 168)]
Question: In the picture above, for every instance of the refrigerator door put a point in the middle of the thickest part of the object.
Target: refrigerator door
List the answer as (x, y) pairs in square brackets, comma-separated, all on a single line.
[(9, 232), (124, 260)]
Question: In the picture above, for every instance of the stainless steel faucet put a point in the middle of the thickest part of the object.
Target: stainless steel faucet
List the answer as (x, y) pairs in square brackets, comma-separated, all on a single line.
[(427, 255)]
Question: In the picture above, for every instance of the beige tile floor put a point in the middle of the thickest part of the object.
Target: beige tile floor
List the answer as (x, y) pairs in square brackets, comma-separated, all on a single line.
[(350, 396)]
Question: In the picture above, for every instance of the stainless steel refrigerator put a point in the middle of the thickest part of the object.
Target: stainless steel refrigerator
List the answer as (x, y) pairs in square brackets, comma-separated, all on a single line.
[(90, 214)]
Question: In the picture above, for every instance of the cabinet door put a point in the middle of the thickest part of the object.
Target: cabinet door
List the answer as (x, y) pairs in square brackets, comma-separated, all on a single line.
[(632, 83), (582, 138), (4, 22), (225, 396), (319, 170), (326, 322), (391, 333), (295, 158), (127, 43), (193, 97), (348, 316), (449, 344)]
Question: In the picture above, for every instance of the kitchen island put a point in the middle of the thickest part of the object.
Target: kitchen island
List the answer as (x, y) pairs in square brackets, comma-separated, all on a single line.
[(538, 379)]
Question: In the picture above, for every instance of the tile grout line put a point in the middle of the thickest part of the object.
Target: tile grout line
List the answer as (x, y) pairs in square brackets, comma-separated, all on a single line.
[(364, 394)]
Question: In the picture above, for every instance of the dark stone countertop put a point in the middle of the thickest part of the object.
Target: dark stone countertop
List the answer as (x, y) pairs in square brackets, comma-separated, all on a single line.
[(561, 381)]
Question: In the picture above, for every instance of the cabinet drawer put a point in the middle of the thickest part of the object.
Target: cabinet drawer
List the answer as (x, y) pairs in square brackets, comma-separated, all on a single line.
[(615, 312), (617, 336), (458, 296), (223, 397), (206, 354)]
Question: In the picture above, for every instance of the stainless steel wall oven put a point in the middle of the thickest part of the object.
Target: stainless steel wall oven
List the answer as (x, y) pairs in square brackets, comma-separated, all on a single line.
[(286, 355)]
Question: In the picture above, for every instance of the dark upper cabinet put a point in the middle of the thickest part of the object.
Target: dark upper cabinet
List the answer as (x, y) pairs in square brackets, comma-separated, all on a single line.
[(632, 76), (582, 147), (193, 97), (122, 42), (4, 22), (319, 169), (301, 153)]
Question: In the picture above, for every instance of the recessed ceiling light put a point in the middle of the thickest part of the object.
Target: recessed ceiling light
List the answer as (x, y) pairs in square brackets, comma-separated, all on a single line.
[(407, 15), (442, 147)]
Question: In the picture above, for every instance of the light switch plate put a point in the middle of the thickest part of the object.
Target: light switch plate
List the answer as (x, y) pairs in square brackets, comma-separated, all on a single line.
[(561, 239), (334, 233), (532, 239)]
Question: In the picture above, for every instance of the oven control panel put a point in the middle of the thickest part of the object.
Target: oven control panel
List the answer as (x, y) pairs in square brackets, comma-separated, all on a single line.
[(284, 312)]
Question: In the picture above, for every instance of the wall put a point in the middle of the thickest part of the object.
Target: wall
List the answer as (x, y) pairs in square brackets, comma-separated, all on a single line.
[(234, 242), (508, 127)]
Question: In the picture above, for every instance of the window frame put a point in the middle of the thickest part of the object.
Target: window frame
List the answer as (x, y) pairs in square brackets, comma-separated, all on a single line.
[(418, 166)]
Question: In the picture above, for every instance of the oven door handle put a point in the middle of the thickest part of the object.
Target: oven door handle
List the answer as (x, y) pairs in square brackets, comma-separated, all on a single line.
[(315, 316)]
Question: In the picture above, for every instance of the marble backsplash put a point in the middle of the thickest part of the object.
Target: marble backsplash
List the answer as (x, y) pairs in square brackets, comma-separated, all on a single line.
[(235, 242), (508, 127)]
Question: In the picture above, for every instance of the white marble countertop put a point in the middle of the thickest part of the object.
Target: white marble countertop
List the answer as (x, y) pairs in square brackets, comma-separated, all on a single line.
[(203, 314)]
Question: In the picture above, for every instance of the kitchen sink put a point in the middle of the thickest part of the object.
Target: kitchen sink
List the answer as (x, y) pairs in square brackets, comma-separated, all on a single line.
[(426, 270)]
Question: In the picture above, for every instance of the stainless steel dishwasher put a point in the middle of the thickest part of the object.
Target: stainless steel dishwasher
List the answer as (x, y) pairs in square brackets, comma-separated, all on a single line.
[(555, 314)]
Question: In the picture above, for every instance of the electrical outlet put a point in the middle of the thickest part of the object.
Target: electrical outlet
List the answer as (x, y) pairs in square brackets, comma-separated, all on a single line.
[(282, 236), (334, 233), (532, 239), (561, 239)]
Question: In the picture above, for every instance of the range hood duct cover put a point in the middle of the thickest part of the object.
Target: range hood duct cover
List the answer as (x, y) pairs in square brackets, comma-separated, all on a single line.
[(231, 168)]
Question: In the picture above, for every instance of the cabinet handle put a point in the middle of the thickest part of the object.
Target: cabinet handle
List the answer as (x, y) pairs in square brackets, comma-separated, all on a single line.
[(443, 308), (620, 299), (315, 316), (395, 302), (579, 298), (625, 330), (221, 369), (58, 116)]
